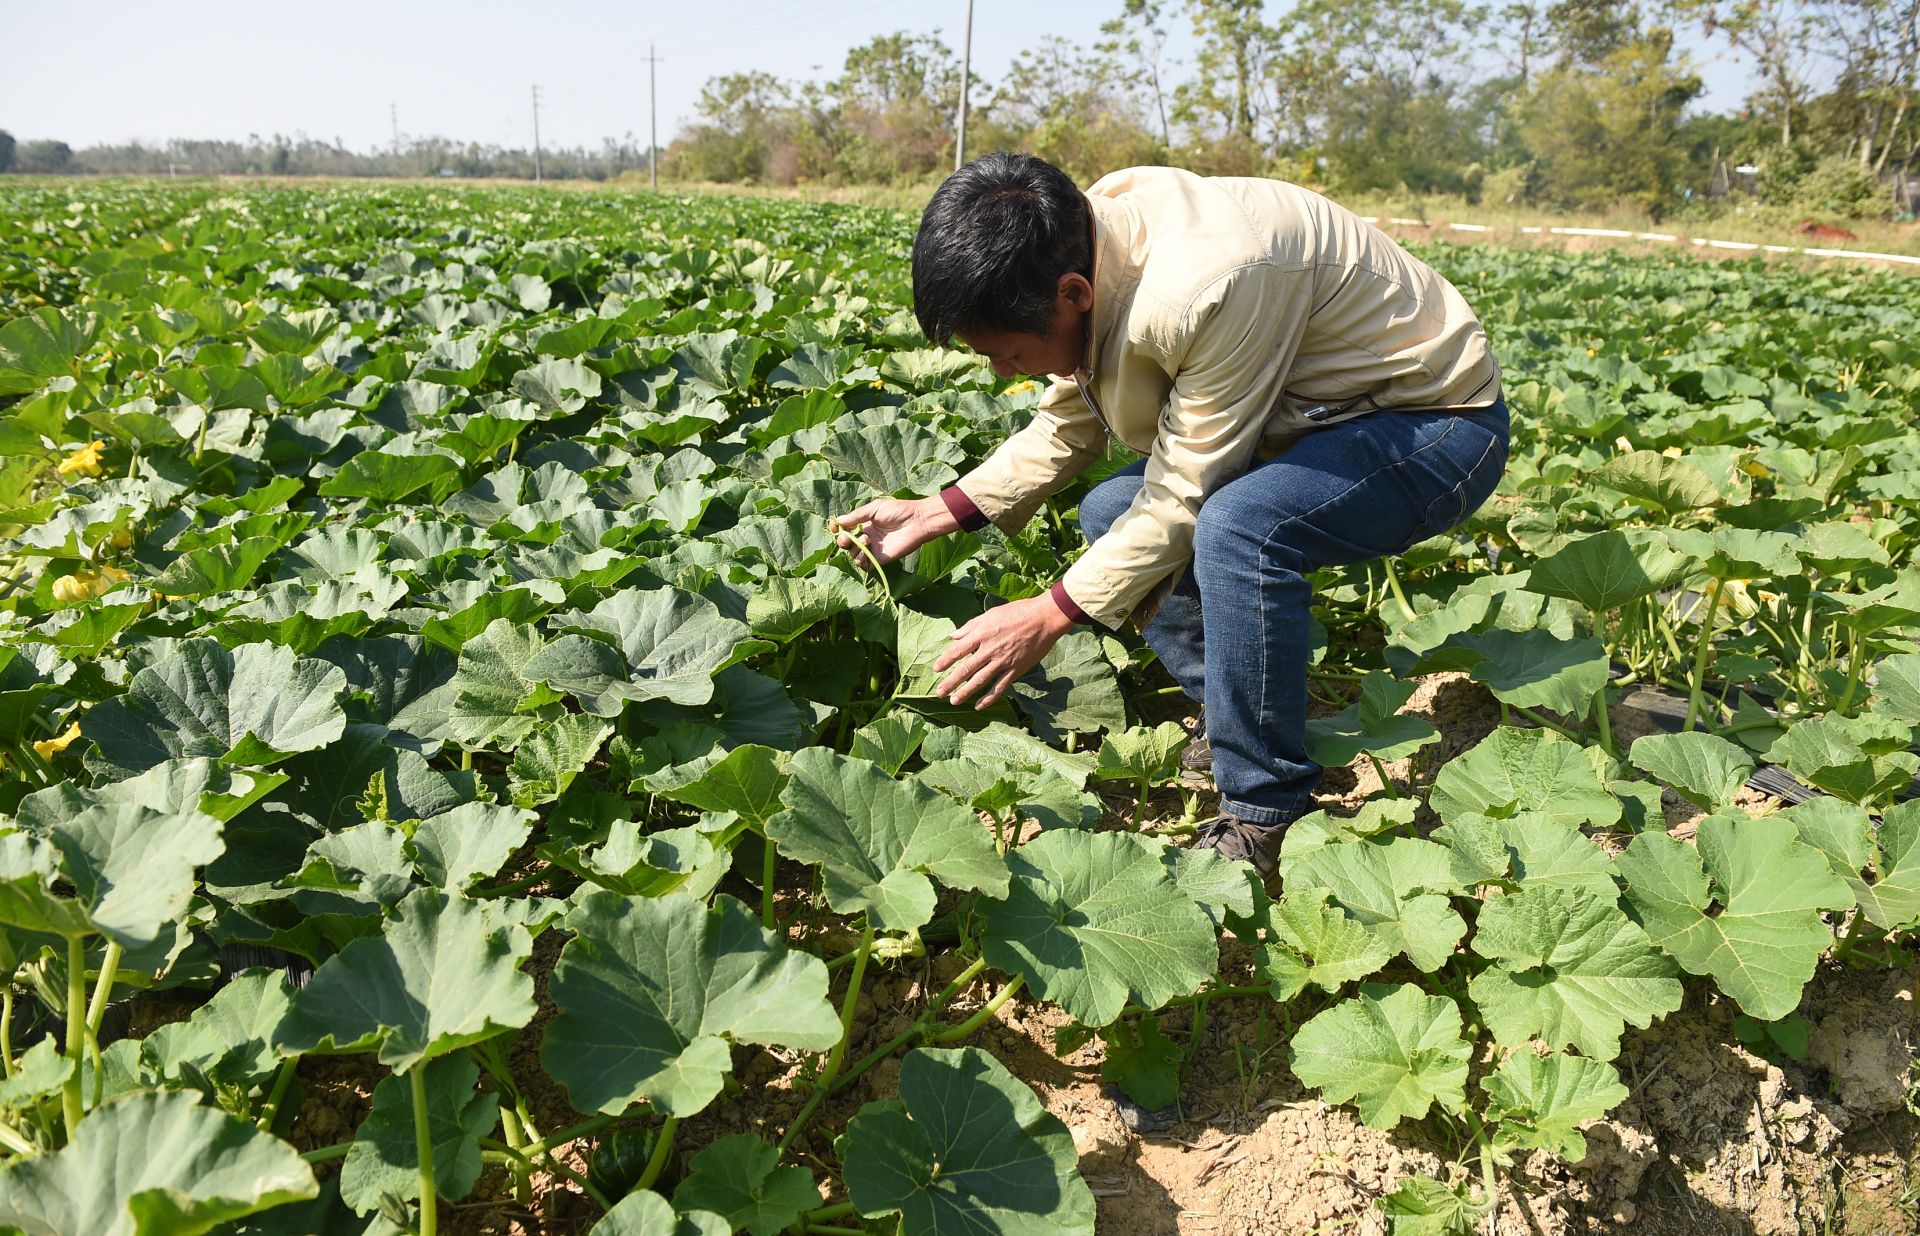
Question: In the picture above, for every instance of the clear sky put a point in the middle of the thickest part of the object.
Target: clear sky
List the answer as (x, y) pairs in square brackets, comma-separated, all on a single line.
[(89, 71)]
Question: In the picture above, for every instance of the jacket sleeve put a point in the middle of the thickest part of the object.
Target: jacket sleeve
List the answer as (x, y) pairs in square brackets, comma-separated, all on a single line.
[(1063, 437), (1229, 353)]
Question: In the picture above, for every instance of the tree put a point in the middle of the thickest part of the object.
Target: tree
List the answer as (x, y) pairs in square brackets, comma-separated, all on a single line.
[(1778, 34), (1138, 34), (1608, 134), (1073, 109), (46, 158), (6, 151), (1234, 47)]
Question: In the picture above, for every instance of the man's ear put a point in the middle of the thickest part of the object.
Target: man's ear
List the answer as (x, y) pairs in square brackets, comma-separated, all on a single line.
[(1074, 289)]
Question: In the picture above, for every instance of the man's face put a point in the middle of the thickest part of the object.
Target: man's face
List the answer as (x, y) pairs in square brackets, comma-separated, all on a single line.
[(1058, 352)]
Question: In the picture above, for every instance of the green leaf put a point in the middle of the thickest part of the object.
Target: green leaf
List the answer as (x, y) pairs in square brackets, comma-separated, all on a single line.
[(1608, 569), (495, 700), (967, 1149), (153, 1164), (41, 346), (1743, 909), (1541, 852), (1311, 942), (1394, 1051), (1144, 754), (131, 871), (1569, 969), (1540, 1102), (254, 705), (216, 568), (1861, 759), (1093, 920), (230, 1037), (1671, 486), (382, 477), (547, 760), (739, 1178), (1896, 687), (890, 740), (648, 1214), (878, 840), (653, 992), (443, 973), (1846, 835), (1538, 669), (655, 864), (1705, 769), (1397, 890), (748, 781), (1513, 770), (457, 847), (385, 1157), (1371, 724), (1142, 1061), (666, 644), (900, 458), (1422, 1206)]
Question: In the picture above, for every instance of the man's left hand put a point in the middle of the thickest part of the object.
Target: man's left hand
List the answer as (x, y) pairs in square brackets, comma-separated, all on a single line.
[(991, 653)]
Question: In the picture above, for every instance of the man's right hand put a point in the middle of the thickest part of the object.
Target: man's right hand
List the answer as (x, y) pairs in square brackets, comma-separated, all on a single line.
[(894, 528)]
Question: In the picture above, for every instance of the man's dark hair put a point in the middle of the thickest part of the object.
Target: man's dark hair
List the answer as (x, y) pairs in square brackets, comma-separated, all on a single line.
[(993, 244)]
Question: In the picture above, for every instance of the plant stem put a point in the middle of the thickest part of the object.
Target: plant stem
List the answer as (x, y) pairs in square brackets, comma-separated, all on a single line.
[(76, 1032), (15, 1141), (327, 1154), (423, 1148), (282, 1082), (662, 1149), (1546, 724), (97, 1011), (499, 1152), (850, 1005), (769, 854), (578, 1131), (932, 1010), (1603, 719), (1700, 651), (827, 1214), (1386, 782), (6, 1027), (954, 1034), (521, 1171), (1140, 805), (1855, 667), (1393, 585)]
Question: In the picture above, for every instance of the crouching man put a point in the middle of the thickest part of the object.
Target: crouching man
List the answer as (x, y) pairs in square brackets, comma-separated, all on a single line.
[(1303, 393)]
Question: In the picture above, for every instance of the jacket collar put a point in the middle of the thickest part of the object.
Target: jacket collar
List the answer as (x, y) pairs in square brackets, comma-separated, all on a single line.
[(1114, 268)]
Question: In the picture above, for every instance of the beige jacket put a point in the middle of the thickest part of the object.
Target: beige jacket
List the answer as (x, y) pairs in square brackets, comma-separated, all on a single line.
[(1229, 316)]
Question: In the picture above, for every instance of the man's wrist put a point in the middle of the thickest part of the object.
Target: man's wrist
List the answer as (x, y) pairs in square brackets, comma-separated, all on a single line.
[(956, 506), (1070, 612)]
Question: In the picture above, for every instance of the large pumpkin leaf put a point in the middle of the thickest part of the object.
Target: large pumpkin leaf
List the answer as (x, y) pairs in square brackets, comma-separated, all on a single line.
[(880, 842), (740, 1179), (1398, 889), (1513, 770), (1744, 909), (443, 973), (967, 1149), (1569, 969), (130, 869), (1394, 1052), (254, 705), (1608, 569), (385, 1156), (652, 992), (1540, 1102), (1093, 920), (153, 1164)]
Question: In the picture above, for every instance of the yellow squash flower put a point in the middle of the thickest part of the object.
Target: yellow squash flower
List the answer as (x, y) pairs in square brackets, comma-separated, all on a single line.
[(47, 748), (86, 585), (83, 462)]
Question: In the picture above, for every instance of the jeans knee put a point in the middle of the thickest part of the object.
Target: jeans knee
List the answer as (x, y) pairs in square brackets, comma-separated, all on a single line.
[(1105, 503)]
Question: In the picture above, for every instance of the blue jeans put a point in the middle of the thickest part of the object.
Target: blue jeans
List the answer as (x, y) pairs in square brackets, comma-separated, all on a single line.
[(1235, 632)]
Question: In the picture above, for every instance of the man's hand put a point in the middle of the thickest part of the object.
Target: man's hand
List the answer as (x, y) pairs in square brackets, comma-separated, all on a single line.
[(894, 528), (991, 653)]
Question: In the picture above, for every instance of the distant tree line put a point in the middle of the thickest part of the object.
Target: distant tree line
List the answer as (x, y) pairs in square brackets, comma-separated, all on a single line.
[(308, 156), (1570, 104)]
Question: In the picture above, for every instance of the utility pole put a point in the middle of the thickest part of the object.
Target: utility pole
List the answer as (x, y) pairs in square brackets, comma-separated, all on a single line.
[(536, 135), (393, 114), (653, 119), (966, 63)]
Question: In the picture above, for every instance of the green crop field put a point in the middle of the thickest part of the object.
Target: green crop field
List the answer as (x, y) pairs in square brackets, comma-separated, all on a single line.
[(446, 756)]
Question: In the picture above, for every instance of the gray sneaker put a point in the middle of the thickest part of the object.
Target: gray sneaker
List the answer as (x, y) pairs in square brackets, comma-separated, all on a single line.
[(1246, 841)]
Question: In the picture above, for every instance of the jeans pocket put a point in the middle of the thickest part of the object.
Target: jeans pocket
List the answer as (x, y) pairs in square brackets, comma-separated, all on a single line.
[(1475, 487)]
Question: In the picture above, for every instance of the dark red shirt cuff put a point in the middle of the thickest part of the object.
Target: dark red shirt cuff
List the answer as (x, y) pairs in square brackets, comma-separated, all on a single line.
[(962, 509), (1066, 603)]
